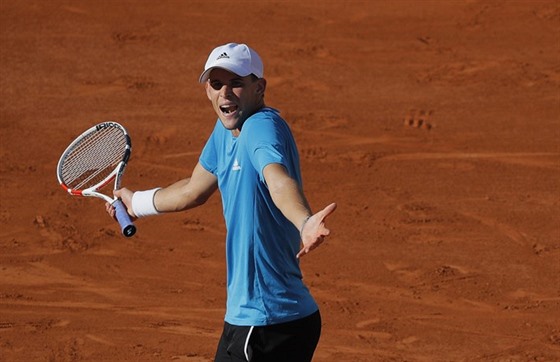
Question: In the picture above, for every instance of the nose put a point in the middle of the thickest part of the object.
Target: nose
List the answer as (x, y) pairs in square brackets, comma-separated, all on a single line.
[(226, 91)]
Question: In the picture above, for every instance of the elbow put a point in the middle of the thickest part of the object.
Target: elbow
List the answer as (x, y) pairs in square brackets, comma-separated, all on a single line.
[(200, 200), (197, 199)]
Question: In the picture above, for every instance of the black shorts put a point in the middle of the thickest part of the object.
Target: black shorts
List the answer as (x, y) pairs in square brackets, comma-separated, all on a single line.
[(292, 341)]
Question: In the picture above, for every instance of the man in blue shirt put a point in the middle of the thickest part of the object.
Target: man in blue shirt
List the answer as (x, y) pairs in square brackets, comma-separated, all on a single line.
[(252, 158)]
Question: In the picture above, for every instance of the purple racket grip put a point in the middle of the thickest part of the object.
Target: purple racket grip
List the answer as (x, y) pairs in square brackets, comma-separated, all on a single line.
[(127, 227)]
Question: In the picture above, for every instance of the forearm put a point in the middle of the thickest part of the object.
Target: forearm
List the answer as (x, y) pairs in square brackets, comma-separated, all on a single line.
[(176, 197), (289, 198), (183, 194)]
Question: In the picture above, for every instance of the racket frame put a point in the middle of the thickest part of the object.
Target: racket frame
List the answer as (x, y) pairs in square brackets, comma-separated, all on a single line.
[(127, 227)]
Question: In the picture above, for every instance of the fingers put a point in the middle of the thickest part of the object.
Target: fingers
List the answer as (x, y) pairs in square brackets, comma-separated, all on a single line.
[(302, 252), (110, 209), (327, 211), (118, 193), (317, 222), (318, 235), (307, 249), (125, 195)]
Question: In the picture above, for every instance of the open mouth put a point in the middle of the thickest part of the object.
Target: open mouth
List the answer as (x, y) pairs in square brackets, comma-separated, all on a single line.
[(228, 109)]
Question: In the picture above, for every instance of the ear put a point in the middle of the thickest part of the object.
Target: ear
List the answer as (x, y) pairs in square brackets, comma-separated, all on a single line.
[(207, 87), (261, 86)]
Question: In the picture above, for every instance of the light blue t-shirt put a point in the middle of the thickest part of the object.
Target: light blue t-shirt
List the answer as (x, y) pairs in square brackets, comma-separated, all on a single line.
[(264, 281)]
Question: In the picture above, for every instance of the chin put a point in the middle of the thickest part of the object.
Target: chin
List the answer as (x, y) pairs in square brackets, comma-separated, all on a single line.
[(230, 125)]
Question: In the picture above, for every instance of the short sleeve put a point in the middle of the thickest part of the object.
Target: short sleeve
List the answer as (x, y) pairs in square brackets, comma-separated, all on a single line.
[(266, 143), (209, 156)]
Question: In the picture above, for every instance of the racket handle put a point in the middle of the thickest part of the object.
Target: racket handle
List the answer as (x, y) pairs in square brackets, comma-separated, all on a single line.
[(127, 227)]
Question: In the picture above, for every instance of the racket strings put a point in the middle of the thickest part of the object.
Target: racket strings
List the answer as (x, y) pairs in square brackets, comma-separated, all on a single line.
[(93, 159)]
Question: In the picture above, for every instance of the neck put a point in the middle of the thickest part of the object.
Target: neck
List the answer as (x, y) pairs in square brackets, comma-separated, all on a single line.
[(237, 131)]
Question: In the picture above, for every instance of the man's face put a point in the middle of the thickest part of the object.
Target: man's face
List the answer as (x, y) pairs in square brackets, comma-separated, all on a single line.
[(234, 98)]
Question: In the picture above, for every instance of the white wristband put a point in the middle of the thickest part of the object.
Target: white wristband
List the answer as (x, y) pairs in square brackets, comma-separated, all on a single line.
[(143, 203)]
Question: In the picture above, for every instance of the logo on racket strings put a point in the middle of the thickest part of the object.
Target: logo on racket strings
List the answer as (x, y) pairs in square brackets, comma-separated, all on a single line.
[(106, 125)]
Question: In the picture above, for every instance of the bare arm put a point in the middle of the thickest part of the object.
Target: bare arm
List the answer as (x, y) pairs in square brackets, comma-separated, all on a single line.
[(289, 198), (181, 195), (187, 193)]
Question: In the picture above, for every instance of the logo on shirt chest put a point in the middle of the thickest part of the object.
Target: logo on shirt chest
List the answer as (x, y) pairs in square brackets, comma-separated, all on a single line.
[(236, 166)]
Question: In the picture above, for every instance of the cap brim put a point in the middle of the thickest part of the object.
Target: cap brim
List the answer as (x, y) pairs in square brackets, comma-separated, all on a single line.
[(230, 68), (204, 76)]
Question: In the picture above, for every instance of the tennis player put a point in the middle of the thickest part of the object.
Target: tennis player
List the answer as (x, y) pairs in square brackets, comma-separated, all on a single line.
[(252, 158)]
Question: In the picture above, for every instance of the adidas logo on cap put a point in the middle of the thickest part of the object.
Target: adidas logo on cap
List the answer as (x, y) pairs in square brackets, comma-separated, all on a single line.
[(223, 55)]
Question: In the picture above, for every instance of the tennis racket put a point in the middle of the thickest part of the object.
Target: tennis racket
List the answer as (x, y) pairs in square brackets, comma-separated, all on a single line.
[(94, 159)]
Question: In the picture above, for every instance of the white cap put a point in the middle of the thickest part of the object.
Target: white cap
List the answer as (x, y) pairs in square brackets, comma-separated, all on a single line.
[(236, 58)]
